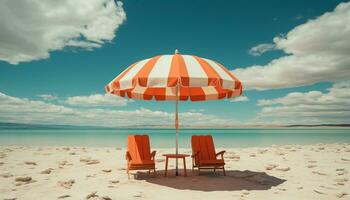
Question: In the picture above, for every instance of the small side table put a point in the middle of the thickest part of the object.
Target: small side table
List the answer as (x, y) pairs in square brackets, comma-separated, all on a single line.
[(176, 156)]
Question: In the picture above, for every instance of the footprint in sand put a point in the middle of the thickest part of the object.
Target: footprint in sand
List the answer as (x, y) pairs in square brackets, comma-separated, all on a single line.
[(318, 191), (107, 170), (30, 163), (341, 181), (66, 184), (114, 181), (235, 157), (283, 168), (341, 194), (46, 171), (91, 195), (23, 180), (138, 195), (311, 166), (63, 196), (10, 198), (262, 151), (63, 163), (89, 161), (271, 167), (341, 172), (319, 173), (6, 175)]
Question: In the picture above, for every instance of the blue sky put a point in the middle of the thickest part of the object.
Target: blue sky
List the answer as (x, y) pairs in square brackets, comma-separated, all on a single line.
[(224, 31)]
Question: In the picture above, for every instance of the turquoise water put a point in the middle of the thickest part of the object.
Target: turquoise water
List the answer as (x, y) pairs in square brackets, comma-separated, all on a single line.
[(165, 138)]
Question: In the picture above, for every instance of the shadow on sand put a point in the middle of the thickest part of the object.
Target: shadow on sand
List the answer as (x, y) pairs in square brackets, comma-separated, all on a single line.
[(208, 181)]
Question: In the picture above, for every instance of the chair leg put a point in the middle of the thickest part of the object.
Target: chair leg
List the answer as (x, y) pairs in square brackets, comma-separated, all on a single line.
[(127, 171), (214, 170), (223, 169), (154, 171)]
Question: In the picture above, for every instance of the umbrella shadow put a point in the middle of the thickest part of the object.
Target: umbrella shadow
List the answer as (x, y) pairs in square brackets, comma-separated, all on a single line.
[(208, 181)]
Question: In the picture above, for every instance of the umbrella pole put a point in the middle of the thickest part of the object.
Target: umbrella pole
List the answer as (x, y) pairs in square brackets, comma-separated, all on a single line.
[(177, 126)]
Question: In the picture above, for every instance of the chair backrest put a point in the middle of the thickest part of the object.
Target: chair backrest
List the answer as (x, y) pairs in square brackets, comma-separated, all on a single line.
[(139, 148), (205, 146)]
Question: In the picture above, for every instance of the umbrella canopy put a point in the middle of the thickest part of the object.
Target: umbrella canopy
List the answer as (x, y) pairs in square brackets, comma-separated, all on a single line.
[(176, 77), (159, 77)]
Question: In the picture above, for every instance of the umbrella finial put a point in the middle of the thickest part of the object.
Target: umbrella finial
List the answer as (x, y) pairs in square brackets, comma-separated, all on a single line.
[(176, 51)]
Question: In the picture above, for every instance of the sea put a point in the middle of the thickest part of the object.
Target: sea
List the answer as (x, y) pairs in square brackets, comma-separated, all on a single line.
[(165, 138)]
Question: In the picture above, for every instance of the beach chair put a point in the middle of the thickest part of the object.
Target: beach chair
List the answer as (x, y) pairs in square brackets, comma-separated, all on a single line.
[(138, 154), (203, 154)]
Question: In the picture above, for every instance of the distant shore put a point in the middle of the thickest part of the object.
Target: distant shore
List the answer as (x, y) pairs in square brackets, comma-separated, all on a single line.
[(7, 126)]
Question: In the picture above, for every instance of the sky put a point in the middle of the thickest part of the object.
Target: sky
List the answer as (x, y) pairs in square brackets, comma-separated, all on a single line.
[(57, 56)]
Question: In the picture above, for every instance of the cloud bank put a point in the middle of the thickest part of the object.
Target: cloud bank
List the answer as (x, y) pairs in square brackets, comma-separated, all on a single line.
[(31, 29), (309, 107), (317, 51), (23, 110), (97, 100)]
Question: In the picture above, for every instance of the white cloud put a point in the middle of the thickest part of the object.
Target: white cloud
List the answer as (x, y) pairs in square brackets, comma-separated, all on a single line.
[(240, 99), (310, 107), (22, 110), (261, 48), (47, 97), (318, 52), (31, 29), (97, 100)]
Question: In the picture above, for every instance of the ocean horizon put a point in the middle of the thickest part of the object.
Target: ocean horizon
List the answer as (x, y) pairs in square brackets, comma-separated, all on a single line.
[(165, 138)]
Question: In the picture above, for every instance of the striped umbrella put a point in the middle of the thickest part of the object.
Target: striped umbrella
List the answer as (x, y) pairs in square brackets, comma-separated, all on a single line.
[(176, 77)]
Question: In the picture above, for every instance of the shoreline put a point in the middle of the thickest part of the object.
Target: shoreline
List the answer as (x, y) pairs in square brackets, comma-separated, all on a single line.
[(317, 171)]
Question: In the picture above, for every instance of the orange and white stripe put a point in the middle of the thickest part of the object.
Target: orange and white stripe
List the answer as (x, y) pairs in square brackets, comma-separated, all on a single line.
[(160, 77)]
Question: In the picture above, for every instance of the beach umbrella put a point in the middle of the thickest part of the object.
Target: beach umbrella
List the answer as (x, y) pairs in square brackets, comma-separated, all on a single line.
[(177, 78)]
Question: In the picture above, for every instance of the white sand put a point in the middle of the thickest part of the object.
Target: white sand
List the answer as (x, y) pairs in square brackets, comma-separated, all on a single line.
[(277, 172)]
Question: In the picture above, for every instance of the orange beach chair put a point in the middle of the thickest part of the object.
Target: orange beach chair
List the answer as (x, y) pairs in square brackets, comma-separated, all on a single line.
[(203, 154), (138, 155)]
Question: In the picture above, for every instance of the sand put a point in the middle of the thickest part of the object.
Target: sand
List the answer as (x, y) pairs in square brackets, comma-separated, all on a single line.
[(278, 172)]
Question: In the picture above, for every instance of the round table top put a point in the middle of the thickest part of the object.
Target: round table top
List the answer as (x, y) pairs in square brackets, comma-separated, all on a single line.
[(176, 155)]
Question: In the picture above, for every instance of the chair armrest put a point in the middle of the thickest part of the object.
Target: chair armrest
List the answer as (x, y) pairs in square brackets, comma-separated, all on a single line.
[(127, 156), (221, 153), (194, 155), (153, 154)]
